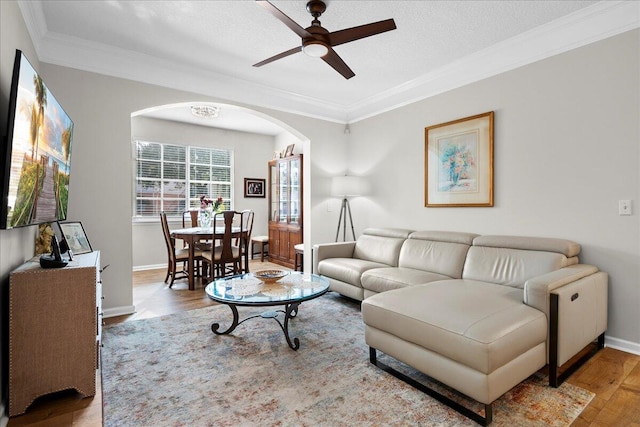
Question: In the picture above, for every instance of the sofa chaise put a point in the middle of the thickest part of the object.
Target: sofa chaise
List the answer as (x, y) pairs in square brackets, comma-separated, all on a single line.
[(477, 313)]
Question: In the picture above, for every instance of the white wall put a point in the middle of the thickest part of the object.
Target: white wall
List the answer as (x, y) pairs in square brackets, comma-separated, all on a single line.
[(251, 151), (566, 150)]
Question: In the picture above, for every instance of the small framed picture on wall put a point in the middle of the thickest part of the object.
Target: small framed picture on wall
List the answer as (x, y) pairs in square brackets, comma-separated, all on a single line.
[(254, 187)]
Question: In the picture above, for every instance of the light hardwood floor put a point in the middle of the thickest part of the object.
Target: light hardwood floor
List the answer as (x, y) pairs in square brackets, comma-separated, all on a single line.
[(614, 376)]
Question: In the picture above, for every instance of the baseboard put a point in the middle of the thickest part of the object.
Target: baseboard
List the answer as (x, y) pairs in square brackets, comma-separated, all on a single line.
[(149, 267), (622, 345), (118, 311)]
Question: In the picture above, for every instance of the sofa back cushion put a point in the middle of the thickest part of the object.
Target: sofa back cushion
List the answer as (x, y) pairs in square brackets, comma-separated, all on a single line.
[(381, 245), (512, 260), (545, 244), (439, 252)]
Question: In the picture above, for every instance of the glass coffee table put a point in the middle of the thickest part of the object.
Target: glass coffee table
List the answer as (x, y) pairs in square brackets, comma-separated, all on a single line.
[(248, 290)]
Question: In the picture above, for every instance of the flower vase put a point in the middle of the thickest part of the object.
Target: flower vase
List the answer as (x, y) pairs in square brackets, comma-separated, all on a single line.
[(204, 217)]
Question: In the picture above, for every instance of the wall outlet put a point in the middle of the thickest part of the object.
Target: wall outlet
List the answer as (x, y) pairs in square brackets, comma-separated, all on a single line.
[(624, 207)]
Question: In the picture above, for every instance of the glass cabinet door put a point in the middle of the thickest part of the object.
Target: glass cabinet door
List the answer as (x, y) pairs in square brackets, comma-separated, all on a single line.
[(283, 191), (295, 196), (273, 192)]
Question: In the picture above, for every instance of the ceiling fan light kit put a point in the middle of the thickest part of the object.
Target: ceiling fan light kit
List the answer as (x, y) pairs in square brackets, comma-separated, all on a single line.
[(317, 42), (315, 49)]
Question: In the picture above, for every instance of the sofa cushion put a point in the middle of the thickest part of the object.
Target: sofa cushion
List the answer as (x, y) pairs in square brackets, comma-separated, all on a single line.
[(544, 244), (481, 325), (386, 279), (510, 267), (399, 233), (382, 250), (445, 236), (439, 257), (348, 270)]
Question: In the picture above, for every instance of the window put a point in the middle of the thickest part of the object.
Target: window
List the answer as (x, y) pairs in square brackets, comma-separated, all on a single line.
[(171, 178)]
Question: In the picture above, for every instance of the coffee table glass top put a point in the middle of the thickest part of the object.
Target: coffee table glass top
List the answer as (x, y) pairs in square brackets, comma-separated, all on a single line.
[(246, 289)]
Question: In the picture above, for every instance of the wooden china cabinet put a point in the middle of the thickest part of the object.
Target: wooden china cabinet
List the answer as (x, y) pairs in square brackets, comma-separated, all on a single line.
[(285, 209)]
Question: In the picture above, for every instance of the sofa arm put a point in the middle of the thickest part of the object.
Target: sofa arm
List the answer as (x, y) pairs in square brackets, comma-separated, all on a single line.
[(574, 299), (538, 289), (332, 250)]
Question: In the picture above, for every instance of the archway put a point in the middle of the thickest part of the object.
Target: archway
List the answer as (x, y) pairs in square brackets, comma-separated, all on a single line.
[(230, 119)]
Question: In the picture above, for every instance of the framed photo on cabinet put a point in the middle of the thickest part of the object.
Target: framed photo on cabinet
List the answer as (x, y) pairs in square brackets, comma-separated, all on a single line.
[(76, 238), (459, 162), (289, 151)]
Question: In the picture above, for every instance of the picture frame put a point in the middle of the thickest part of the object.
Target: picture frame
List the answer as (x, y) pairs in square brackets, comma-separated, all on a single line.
[(459, 162), (289, 151), (255, 187), (75, 236)]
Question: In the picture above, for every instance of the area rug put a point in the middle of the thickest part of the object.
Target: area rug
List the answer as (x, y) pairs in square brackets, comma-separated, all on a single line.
[(173, 371)]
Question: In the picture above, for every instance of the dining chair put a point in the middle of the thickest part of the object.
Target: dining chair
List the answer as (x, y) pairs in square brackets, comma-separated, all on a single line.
[(176, 256), (245, 243), (226, 257)]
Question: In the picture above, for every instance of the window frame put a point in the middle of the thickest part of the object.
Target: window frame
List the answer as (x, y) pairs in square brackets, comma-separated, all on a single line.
[(136, 218)]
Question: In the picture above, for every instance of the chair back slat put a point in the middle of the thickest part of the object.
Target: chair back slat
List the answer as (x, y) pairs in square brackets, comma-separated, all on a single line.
[(190, 218), (227, 245), (248, 224)]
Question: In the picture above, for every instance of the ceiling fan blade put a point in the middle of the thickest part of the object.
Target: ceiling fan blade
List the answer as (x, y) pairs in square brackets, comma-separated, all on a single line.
[(279, 56), (284, 18), (338, 64), (360, 32)]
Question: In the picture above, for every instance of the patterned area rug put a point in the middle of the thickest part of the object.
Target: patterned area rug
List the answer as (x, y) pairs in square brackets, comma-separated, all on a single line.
[(173, 371)]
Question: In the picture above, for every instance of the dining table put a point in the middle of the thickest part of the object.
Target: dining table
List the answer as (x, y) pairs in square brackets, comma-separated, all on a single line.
[(192, 235)]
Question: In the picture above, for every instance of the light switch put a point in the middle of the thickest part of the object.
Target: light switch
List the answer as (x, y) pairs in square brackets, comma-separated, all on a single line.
[(624, 207)]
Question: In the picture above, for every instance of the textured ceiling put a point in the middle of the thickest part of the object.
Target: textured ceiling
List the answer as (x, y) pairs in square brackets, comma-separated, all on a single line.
[(209, 46)]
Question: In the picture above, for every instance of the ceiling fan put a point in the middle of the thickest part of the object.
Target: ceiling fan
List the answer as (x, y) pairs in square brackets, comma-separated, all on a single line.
[(318, 42)]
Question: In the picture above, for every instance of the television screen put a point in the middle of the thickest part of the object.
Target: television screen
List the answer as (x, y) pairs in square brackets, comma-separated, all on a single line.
[(37, 152)]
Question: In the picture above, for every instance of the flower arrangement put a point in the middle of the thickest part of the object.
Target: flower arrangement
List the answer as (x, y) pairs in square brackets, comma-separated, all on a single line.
[(218, 204), (457, 160), (207, 208)]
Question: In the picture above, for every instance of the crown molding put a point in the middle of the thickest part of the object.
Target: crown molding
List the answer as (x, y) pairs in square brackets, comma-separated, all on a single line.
[(35, 21), (106, 60), (599, 21)]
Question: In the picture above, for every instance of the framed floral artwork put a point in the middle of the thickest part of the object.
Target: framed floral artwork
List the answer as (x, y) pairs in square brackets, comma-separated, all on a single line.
[(459, 163)]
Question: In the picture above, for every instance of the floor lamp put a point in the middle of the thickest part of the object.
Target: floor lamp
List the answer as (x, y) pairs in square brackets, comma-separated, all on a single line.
[(346, 186)]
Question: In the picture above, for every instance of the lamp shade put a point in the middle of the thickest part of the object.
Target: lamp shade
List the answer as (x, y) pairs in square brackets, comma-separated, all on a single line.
[(347, 186)]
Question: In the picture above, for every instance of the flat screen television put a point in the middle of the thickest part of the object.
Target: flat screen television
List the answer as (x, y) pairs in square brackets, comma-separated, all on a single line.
[(36, 152)]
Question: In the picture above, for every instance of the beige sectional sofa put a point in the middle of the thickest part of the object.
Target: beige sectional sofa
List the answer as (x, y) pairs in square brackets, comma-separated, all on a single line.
[(477, 313)]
